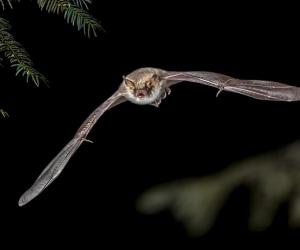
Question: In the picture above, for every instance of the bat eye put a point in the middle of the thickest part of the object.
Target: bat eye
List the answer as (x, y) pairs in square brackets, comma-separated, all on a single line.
[(149, 84), (156, 77)]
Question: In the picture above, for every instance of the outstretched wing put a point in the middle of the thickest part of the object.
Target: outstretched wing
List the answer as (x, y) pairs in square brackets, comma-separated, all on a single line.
[(55, 167), (262, 90)]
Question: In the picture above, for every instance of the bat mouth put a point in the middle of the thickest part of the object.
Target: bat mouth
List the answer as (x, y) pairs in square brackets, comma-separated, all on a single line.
[(141, 93)]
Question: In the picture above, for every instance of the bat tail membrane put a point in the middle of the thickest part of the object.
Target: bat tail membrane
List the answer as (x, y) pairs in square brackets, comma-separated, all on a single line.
[(51, 172), (264, 90)]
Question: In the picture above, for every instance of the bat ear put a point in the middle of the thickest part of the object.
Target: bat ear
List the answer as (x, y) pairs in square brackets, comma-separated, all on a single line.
[(130, 84)]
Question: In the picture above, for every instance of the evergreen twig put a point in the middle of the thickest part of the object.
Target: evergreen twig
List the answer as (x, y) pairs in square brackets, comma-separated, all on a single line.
[(74, 13), (17, 55), (4, 113)]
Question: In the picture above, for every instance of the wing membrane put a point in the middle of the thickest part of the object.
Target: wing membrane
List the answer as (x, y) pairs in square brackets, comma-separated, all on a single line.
[(55, 167)]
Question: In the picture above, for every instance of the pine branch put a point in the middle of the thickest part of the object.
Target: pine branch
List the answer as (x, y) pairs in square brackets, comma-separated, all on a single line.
[(4, 113), (74, 13), (4, 3), (53, 6), (82, 4), (17, 55), (82, 19), (4, 24)]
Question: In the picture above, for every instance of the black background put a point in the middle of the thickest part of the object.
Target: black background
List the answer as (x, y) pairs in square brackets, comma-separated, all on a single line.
[(135, 147)]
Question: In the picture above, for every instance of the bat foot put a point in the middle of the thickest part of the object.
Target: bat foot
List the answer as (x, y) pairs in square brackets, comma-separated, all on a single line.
[(222, 87), (84, 139), (168, 90), (156, 103), (220, 90)]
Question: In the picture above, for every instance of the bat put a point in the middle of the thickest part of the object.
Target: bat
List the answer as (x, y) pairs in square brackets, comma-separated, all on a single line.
[(150, 86)]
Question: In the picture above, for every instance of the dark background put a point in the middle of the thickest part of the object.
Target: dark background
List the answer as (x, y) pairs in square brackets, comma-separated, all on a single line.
[(135, 147)]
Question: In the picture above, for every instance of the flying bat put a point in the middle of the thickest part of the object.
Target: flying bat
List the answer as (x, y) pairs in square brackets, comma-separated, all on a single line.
[(150, 86)]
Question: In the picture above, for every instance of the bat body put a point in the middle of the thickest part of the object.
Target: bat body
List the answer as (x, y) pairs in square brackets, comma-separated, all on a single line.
[(149, 86)]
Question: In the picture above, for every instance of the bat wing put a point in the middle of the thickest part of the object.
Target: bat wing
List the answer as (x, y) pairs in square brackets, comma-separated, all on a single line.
[(55, 167), (262, 90)]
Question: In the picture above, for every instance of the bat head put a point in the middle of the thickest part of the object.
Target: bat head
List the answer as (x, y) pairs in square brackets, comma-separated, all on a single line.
[(143, 86)]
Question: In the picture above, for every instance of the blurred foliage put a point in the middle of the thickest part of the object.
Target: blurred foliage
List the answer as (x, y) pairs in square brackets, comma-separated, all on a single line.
[(272, 179)]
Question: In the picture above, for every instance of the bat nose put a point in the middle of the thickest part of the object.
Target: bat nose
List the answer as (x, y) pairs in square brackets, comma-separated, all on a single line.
[(140, 93)]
